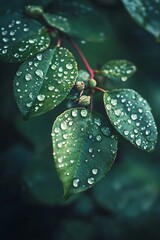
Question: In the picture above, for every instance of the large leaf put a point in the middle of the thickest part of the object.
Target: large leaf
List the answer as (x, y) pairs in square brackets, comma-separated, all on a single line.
[(84, 149), (118, 69), (76, 18), (44, 81), (146, 13), (131, 115), (21, 37)]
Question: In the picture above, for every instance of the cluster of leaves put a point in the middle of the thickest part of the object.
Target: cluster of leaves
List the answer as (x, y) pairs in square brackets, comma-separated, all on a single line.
[(84, 142)]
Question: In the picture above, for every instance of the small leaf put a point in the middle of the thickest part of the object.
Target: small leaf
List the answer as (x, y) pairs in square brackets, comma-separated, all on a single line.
[(84, 149), (57, 21), (118, 70), (146, 13), (21, 37), (131, 115), (44, 81)]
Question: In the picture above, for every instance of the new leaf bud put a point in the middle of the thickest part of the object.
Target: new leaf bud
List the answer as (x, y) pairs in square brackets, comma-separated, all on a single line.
[(34, 10), (84, 100), (79, 86), (92, 83)]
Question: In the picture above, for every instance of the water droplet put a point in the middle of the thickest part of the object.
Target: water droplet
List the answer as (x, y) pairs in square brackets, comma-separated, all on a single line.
[(39, 56), (74, 113), (90, 150), (117, 112), (84, 113), (28, 77), (106, 131), (138, 142), (76, 182), (63, 125), (126, 132), (90, 180), (114, 102), (39, 73), (99, 138), (56, 130), (53, 67), (134, 116), (51, 88), (94, 171), (41, 97), (18, 73), (97, 121), (69, 66)]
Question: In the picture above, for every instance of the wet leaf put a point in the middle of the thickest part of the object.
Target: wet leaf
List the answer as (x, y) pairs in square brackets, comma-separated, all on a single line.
[(84, 149), (146, 13), (21, 38), (118, 69), (78, 17), (57, 21), (131, 115), (44, 81)]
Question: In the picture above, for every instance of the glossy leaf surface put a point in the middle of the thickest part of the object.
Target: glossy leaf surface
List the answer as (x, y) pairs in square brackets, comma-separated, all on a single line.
[(21, 38), (118, 69), (84, 149), (42, 82), (131, 115)]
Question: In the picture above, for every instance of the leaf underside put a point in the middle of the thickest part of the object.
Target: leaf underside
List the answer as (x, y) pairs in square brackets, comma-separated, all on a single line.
[(131, 115), (84, 149)]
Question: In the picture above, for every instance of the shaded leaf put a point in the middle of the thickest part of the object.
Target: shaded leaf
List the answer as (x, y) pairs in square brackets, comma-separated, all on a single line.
[(21, 37), (118, 69), (84, 149), (146, 13), (44, 81), (57, 21), (79, 17), (131, 115)]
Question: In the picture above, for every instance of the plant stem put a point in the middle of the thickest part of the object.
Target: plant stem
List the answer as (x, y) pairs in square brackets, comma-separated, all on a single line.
[(59, 42), (100, 89), (84, 60)]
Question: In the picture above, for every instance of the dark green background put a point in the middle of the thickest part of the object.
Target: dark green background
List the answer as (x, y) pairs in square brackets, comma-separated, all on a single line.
[(124, 205)]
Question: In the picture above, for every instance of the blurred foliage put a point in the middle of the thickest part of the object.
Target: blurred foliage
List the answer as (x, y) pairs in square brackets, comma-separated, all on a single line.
[(126, 205)]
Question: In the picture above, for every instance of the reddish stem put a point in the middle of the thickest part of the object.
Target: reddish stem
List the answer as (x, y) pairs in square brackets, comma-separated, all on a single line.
[(100, 89), (59, 42), (84, 60)]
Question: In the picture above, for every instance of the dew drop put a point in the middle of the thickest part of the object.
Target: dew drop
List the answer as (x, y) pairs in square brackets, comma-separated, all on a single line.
[(63, 125), (18, 73), (74, 113), (126, 132), (94, 171), (114, 102), (69, 66), (84, 113), (90, 150), (106, 131), (134, 116), (138, 142), (39, 56), (41, 97), (99, 138), (76, 182), (39, 73), (51, 88), (28, 77), (90, 180), (97, 121), (117, 112)]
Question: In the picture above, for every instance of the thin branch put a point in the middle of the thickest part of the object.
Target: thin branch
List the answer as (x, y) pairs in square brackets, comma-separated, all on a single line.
[(100, 89)]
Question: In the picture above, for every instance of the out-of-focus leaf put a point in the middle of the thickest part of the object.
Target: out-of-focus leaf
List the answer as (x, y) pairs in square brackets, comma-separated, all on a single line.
[(21, 37), (146, 13), (118, 69)]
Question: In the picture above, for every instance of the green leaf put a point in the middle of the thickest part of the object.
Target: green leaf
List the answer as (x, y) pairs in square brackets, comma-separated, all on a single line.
[(118, 69), (21, 37), (84, 149), (146, 13), (76, 19), (57, 21), (44, 81), (131, 115)]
